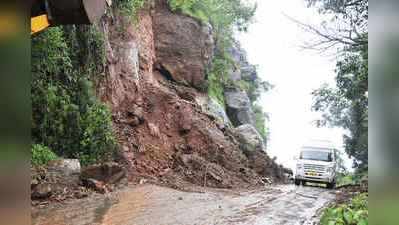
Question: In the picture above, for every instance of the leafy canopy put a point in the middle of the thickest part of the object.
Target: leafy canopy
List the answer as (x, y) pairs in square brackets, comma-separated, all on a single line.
[(346, 104)]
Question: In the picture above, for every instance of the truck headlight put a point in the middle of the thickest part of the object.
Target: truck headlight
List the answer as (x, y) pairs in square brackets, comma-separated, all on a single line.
[(330, 169)]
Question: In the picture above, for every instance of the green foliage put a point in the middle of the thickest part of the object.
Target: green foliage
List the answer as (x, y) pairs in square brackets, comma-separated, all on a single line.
[(222, 14), (354, 213), (130, 8), (65, 113), (346, 105), (97, 142), (260, 120), (217, 77), (41, 155)]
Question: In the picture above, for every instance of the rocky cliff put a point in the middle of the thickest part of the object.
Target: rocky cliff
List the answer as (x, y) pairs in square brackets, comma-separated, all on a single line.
[(167, 127)]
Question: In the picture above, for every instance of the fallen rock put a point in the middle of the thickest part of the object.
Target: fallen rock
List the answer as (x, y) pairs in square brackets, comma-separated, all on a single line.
[(109, 173), (239, 108), (183, 45), (95, 185), (154, 130), (217, 111), (66, 167), (41, 191), (249, 138)]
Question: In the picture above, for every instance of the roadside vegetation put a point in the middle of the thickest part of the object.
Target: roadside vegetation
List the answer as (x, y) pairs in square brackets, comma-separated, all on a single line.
[(345, 105), (68, 120), (353, 213)]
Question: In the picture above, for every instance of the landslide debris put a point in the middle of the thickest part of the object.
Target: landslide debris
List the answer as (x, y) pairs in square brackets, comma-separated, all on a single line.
[(168, 129)]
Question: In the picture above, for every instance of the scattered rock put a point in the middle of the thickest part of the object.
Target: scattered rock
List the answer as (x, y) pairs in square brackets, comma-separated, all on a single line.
[(41, 191), (66, 167), (154, 130), (267, 180), (96, 185), (109, 173), (142, 181)]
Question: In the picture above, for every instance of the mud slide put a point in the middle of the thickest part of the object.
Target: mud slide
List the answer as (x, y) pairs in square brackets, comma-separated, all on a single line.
[(154, 205)]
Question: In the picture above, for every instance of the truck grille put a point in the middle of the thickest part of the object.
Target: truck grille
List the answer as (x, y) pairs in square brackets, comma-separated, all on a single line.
[(314, 168)]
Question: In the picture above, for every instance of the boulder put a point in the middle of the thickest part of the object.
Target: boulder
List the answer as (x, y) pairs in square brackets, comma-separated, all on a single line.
[(249, 138), (129, 58), (239, 108), (184, 46), (41, 191), (218, 112), (64, 167), (109, 173), (249, 73)]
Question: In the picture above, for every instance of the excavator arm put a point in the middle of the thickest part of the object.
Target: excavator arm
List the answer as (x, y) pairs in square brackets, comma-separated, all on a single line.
[(46, 13)]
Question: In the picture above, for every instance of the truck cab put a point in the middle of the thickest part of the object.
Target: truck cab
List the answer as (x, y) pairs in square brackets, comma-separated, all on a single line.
[(317, 164)]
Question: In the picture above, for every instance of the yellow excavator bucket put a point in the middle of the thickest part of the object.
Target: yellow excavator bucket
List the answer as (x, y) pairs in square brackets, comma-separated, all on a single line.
[(38, 23), (45, 13)]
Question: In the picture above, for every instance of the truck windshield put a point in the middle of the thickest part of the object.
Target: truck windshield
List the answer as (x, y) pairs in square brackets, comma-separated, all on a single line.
[(316, 155)]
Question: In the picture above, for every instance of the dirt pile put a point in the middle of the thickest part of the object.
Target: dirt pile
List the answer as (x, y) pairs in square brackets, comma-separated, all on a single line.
[(154, 75), (64, 179)]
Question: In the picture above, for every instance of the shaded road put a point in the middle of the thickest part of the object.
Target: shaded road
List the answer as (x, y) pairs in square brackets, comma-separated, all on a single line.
[(154, 205)]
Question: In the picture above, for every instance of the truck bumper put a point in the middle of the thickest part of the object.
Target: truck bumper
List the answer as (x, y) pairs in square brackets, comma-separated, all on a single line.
[(316, 179)]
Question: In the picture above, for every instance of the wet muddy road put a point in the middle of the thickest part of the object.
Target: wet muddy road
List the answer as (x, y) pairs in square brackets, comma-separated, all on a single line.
[(154, 205)]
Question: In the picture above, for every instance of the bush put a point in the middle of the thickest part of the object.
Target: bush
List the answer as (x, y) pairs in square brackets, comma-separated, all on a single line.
[(97, 142), (66, 116), (354, 213), (41, 155), (130, 8)]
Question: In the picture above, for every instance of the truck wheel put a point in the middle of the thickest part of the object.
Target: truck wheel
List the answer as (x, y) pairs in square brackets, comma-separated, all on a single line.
[(331, 185), (297, 182)]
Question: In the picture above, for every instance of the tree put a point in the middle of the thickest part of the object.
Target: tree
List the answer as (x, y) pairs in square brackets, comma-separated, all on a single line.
[(346, 24), (346, 105)]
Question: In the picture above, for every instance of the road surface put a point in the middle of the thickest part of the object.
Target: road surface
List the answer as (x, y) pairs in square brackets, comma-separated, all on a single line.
[(154, 205)]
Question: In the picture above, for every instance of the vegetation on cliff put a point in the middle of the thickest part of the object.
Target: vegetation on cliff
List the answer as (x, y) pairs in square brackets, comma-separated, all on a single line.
[(226, 17)]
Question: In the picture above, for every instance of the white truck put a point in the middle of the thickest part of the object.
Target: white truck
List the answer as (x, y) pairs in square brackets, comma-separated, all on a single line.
[(317, 164)]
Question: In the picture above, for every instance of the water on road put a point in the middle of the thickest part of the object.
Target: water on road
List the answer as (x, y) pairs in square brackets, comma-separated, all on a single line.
[(155, 205)]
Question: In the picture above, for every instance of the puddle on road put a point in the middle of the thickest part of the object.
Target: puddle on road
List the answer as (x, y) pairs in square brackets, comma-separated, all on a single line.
[(154, 205)]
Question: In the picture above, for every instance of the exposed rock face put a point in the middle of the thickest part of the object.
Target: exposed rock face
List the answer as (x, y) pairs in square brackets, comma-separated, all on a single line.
[(243, 70), (184, 47), (163, 129), (239, 108), (216, 110), (249, 138), (236, 55), (249, 73)]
